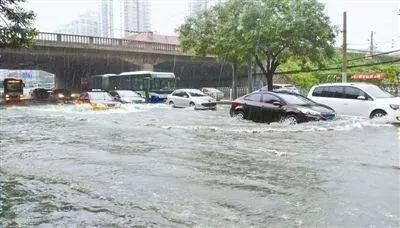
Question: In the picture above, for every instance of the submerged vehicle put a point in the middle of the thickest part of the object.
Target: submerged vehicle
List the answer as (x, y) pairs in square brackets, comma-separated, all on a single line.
[(264, 106), (358, 99), (153, 86), (191, 98), (213, 92), (98, 100), (13, 90), (282, 88), (127, 96)]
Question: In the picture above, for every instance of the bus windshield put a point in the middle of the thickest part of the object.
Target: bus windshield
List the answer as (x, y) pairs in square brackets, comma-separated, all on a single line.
[(13, 86), (163, 84)]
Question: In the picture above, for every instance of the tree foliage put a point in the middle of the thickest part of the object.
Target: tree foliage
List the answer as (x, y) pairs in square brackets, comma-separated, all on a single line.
[(270, 31), (15, 25)]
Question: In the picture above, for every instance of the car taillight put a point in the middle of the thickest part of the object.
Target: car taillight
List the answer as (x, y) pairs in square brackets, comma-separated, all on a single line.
[(234, 104)]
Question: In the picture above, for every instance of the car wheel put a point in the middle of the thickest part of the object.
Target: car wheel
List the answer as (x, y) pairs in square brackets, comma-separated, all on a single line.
[(171, 104), (291, 119), (378, 114), (239, 115), (192, 105)]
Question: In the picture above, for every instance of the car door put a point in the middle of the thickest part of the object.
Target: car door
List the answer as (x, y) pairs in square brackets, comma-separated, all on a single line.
[(271, 112), (332, 96), (252, 106), (186, 99), (356, 105), (177, 97)]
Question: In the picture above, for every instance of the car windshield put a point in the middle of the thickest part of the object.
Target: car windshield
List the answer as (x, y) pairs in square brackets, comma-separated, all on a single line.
[(127, 93), (296, 99), (376, 92), (196, 94), (100, 96)]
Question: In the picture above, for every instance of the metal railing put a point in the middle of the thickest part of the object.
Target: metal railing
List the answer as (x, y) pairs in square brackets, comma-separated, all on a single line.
[(68, 39), (393, 88), (241, 91)]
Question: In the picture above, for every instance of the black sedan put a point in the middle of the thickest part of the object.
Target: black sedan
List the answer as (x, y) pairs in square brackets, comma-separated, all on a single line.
[(264, 106)]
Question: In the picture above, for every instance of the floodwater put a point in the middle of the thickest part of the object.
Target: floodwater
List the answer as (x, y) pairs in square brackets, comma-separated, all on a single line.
[(155, 166)]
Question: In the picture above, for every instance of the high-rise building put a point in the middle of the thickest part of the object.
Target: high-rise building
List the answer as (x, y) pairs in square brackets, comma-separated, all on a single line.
[(196, 6), (86, 24), (137, 16), (106, 18), (121, 18)]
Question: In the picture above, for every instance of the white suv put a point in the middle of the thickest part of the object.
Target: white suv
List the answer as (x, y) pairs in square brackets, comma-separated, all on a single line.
[(359, 99)]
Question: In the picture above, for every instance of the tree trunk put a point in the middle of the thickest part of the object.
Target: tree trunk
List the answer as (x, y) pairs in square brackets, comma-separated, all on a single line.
[(269, 70), (269, 80), (234, 80), (250, 76)]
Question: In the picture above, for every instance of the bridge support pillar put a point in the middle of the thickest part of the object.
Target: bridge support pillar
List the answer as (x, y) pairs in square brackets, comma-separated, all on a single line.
[(147, 67)]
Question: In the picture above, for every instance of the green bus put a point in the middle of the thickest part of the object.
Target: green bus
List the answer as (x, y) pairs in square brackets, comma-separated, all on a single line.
[(154, 86)]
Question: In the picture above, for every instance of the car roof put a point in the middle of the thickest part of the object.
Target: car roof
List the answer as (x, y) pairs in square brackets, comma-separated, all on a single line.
[(345, 84), (122, 90), (274, 92), (188, 90), (96, 92), (283, 84)]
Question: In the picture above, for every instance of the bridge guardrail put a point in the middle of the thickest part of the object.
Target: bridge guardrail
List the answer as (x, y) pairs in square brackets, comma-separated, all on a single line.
[(104, 41)]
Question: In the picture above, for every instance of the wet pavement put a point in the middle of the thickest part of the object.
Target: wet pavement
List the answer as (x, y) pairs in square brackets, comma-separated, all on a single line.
[(155, 166)]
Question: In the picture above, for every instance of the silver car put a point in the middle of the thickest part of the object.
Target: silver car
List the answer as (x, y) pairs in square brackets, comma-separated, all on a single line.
[(282, 88), (214, 93)]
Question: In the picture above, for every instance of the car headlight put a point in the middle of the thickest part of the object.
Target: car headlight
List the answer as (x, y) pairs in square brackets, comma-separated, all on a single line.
[(74, 95), (60, 95), (309, 111), (395, 106)]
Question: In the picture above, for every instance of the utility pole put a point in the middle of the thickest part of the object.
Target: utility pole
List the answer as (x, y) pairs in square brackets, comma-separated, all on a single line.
[(371, 47), (344, 64)]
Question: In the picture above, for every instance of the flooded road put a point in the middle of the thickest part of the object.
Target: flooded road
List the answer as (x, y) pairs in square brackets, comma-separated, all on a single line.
[(155, 166)]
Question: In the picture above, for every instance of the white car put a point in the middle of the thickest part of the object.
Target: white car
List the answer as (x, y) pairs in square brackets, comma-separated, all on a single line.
[(212, 92), (127, 96), (282, 88), (191, 98), (357, 99)]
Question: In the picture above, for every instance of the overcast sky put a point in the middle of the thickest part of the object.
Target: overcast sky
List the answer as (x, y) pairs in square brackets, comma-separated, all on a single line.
[(364, 16)]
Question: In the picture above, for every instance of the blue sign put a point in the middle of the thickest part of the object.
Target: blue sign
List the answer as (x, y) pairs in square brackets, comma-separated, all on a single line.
[(21, 74)]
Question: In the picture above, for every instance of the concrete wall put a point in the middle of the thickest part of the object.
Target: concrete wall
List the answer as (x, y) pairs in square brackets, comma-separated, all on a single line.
[(70, 65)]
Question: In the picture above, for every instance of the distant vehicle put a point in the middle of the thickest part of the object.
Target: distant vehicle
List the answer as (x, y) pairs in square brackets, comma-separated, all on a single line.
[(264, 106), (153, 86), (212, 92), (98, 100), (282, 88), (13, 90), (191, 98), (357, 99), (127, 96), (61, 94), (40, 94)]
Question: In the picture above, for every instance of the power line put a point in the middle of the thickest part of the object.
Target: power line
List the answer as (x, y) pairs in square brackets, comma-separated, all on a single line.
[(370, 56), (335, 68)]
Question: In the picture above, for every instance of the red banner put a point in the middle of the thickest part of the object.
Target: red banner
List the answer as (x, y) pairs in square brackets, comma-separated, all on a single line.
[(378, 76)]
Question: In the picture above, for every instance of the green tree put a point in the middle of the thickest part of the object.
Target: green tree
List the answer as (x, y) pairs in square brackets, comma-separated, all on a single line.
[(270, 31), (214, 32), (15, 25), (391, 74)]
